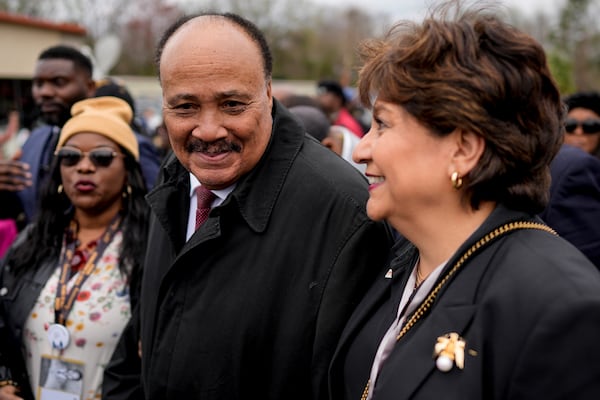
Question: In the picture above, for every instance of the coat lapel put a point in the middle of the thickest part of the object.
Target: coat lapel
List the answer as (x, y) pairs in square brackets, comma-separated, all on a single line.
[(384, 287), (412, 360), (378, 291)]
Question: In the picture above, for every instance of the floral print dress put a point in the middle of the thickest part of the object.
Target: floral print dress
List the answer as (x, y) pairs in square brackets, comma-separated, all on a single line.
[(95, 323)]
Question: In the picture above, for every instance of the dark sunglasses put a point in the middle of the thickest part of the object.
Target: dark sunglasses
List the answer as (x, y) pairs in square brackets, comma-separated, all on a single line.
[(99, 157), (588, 126)]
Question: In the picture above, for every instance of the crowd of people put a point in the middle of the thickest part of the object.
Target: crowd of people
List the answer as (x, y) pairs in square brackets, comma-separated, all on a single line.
[(281, 246)]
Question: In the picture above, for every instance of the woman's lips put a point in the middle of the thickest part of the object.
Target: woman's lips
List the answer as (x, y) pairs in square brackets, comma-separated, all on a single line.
[(85, 186), (375, 181)]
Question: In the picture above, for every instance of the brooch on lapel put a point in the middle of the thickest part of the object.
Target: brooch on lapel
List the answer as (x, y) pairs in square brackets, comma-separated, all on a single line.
[(449, 350)]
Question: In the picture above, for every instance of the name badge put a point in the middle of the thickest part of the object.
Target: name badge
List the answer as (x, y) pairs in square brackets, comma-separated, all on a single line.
[(60, 379)]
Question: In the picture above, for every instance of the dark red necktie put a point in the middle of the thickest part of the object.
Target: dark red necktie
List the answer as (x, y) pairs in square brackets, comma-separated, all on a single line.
[(205, 199)]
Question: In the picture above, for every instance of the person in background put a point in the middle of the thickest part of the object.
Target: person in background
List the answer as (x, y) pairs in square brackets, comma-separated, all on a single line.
[(482, 300), (160, 140), (152, 119), (574, 206), (259, 244), (582, 127), (11, 209), (115, 87), (359, 112), (313, 119), (149, 157), (342, 142), (335, 137), (332, 100), (62, 76), (11, 137), (70, 298), (293, 100), (8, 233)]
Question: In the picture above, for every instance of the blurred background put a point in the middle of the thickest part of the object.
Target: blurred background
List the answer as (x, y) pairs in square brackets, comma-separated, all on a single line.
[(310, 39)]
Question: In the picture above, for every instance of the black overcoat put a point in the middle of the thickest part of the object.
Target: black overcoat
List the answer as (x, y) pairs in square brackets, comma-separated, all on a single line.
[(253, 304)]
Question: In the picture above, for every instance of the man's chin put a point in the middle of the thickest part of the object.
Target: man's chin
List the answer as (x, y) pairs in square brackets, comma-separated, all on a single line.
[(56, 119)]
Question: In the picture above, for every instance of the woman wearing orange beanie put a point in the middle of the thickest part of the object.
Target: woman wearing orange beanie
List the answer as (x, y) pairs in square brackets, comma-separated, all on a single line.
[(67, 284)]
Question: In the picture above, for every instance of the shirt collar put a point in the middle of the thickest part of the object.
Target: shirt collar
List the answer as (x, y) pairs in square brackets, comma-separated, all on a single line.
[(221, 194)]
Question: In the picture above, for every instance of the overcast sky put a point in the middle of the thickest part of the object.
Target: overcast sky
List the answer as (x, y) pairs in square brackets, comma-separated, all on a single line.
[(402, 9)]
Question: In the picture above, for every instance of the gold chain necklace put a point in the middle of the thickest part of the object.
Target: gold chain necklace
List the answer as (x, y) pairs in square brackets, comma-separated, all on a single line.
[(426, 304)]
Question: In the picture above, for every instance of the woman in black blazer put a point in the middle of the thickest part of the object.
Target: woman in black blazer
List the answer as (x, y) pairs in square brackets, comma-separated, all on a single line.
[(482, 300)]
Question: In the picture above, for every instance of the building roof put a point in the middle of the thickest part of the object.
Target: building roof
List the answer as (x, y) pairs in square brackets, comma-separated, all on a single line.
[(17, 19)]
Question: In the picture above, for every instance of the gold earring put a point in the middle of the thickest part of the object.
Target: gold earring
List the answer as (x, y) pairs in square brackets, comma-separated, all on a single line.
[(456, 180), (59, 190), (127, 192)]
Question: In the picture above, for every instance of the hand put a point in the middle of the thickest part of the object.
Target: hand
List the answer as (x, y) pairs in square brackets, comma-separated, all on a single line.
[(9, 392), (14, 176), (11, 128)]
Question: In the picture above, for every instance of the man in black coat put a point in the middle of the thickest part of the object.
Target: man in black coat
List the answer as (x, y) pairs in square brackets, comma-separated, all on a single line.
[(251, 303)]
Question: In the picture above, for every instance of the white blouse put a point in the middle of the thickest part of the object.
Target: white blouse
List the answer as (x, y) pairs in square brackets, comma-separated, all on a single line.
[(95, 324)]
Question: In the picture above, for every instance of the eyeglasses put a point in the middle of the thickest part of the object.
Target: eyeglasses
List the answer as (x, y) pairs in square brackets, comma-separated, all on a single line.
[(69, 157), (588, 126)]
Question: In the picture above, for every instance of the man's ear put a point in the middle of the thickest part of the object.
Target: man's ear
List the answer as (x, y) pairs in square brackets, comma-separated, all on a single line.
[(270, 92), (91, 88)]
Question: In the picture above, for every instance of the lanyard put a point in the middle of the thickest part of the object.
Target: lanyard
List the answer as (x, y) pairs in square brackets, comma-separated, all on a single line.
[(64, 301)]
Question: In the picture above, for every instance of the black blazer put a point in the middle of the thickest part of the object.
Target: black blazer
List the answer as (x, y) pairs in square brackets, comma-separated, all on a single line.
[(527, 305)]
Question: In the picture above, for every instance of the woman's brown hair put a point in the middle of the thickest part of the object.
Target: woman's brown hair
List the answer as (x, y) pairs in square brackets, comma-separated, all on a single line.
[(469, 70)]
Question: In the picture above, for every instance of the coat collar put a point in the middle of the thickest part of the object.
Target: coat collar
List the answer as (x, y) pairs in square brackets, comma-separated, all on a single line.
[(169, 200), (255, 194), (500, 216)]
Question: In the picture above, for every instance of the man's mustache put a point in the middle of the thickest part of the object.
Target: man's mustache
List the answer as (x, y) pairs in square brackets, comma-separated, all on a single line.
[(219, 146)]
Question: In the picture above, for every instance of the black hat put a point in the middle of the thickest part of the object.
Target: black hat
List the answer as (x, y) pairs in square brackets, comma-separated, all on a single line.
[(112, 87), (588, 100), (333, 87)]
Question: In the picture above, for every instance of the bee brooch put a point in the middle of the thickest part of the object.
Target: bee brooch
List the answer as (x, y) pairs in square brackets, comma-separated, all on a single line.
[(449, 350)]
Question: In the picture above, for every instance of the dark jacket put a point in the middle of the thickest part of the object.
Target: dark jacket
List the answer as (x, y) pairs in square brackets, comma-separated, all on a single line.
[(527, 305), (253, 304), (574, 207), (38, 152), (17, 298)]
